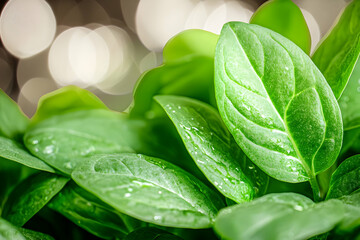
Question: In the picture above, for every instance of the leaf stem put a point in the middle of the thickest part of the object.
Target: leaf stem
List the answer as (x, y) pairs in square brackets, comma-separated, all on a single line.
[(318, 196)]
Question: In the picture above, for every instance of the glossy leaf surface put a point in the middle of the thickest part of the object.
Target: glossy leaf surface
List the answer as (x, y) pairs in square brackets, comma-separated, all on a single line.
[(213, 149), (13, 122), (30, 196), (149, 189), (276, 103), (88, 212), (346, 179), (279, 216), (14, 151), (151, 233), (339, 50)]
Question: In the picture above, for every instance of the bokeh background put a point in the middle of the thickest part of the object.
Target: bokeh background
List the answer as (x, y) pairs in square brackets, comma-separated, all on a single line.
[(105, 45)]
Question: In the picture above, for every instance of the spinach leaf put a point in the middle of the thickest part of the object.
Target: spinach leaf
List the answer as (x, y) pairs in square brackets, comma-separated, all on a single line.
[(279, 216), (151, 233), (149, 189), (30, 196), (9, 231), (188, 70), (14, 151), (350, 99), (66, 99), (346, 178), (352, 216), (276, 103), (65, 140), (338, 52), (190, 42), (32, 235), (213, 149), (284, 17), (13, 122), (191, 76)]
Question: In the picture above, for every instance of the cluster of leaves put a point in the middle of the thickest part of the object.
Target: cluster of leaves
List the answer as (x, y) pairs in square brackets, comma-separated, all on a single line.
[(265, 160)]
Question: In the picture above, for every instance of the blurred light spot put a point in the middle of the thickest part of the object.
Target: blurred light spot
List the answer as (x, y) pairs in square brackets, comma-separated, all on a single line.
[(115, 102), (27, 27), (200, 13), (121, 56), (313, 27), (324, 11), (151, 60), (78, 56), (6, 75), (226, 12), (159, 20), (31, 92), (128, 9)]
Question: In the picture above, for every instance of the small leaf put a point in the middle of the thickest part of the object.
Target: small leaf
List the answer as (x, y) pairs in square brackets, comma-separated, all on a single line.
[(9, 231), (190, 42), (213, 149), (276, 103), (66, 99), (346, 179), (65, 140), (149, 189), (352, 216), (14, 151), (13, 122), (151, 233), (89, 213), (279, 216), (191, 76), (30, 196), (339, 50)]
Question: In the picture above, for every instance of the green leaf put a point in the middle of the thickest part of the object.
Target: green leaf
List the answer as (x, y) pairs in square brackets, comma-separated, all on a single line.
[(279, 216), (191, 76), (66, 99), (284, 17), (32, 235), (14, 151), (352, 216), (213, 149), (276, 103), (9, 231), (149, 189), (346, 179), (30, 196), (13, 122), (65, 140), (89, 213), (349, 101), (151, 233), (190, 42), (339, 50)]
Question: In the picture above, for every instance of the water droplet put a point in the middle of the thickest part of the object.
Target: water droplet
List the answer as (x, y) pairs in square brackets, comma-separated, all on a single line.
[(173, 111), (157, 218), (298, 208), (127, 195), (35, 141), (216, 183), (159, 192), (286, 68), (179, 107), (68, 165), (130, 189), (49, 149)]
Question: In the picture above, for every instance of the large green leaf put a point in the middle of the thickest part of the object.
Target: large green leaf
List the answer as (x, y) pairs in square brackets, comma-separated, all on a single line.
[(352, 216), (213, 149), (149, 189), (346, 179), (339, 50), (151, 233), (90, 213), (14, 151), (349, 101), (65, 140), (66, 99), (13, 122), (276, 103), (30, 196), (279, 216)]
